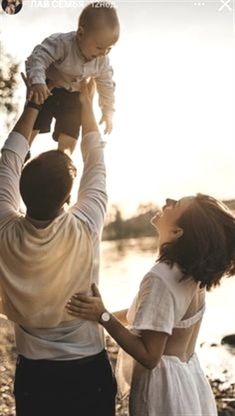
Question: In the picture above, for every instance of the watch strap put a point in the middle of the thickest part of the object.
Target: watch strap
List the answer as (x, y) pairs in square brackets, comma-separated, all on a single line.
[(31, 104)]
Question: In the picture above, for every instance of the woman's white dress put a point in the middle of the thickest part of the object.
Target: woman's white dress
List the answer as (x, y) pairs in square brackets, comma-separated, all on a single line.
[(173, 387)]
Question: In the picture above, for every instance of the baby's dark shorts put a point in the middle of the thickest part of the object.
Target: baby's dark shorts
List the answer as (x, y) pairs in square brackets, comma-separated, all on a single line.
[(65, 107)]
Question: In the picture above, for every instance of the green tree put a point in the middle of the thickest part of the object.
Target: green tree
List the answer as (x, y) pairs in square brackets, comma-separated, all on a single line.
[(9, 70), (144, 208)]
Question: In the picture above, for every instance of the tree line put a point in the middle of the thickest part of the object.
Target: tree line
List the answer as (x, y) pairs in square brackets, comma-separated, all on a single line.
[(137, 226)]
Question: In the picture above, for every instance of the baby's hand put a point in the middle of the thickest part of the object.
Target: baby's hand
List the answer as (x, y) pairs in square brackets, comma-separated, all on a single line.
[(108, 120), (39, 93)]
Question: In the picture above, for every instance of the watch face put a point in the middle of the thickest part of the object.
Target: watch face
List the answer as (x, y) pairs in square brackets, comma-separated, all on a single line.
[(105, 316)]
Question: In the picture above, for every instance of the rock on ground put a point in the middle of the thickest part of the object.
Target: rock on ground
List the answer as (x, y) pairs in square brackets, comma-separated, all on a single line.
[(224, 393)]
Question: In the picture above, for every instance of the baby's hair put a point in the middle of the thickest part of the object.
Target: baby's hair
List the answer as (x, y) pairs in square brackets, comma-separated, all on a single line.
[(96, 14)]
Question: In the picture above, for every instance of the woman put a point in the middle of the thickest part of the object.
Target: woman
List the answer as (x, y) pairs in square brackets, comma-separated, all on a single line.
[(197, 248)]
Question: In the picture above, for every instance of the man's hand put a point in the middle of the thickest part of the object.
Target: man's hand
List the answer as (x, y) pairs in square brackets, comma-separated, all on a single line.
[(38, 93), (25, 124), (86, 97), (87, 91), (108, 120)]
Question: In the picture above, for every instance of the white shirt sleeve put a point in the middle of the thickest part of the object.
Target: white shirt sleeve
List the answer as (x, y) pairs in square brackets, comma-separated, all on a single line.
[(92, 197), (11, 163), (155, 309), (52, 49), (106, 87)]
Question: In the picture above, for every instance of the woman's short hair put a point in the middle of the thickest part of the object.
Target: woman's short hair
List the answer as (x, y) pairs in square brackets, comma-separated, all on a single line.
[(46, 183), (206, 250)]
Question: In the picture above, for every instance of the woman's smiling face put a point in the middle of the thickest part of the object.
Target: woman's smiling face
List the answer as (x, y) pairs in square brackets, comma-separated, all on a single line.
[(165, 221)]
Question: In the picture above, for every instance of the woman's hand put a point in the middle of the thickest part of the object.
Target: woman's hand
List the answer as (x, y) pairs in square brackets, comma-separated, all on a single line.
[(87, 307)]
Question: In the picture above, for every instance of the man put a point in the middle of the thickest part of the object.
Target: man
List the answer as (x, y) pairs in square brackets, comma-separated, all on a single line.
[(45, 257)]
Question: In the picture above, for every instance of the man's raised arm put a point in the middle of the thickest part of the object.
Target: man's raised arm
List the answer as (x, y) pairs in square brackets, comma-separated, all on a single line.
[(92, 197), (12, 160)]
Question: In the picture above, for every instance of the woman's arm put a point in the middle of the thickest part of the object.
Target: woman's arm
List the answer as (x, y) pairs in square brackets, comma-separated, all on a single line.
[(121, 316), (146, 348)]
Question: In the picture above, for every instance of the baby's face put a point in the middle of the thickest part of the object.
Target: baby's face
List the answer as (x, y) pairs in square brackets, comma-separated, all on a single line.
[(96, 43)]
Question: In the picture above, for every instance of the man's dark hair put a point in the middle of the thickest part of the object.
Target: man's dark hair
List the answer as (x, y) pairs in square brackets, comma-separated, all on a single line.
[(96, 14), (206, 250), (46, 183)]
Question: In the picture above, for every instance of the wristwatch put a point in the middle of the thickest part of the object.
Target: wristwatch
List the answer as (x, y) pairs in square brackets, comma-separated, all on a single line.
[(31, 104), (105, 317)]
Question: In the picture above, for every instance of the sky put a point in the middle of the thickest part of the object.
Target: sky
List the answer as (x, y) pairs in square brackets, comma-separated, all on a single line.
[(174, 68)]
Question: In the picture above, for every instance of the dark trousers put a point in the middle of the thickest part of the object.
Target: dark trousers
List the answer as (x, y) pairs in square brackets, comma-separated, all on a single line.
[(83, 387), (65, 107)]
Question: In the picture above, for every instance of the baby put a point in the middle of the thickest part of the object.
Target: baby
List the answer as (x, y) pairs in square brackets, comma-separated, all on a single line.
[(57, 66)]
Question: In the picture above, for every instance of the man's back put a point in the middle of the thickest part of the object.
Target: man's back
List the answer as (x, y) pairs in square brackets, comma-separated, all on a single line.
[(58, 368), (44, 267)]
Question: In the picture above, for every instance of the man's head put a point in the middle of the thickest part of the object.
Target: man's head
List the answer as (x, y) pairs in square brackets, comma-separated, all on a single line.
[(98, 30), (46, 183)]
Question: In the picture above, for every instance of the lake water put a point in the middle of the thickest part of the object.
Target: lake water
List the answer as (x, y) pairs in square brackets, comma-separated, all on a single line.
[(123, 265)]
